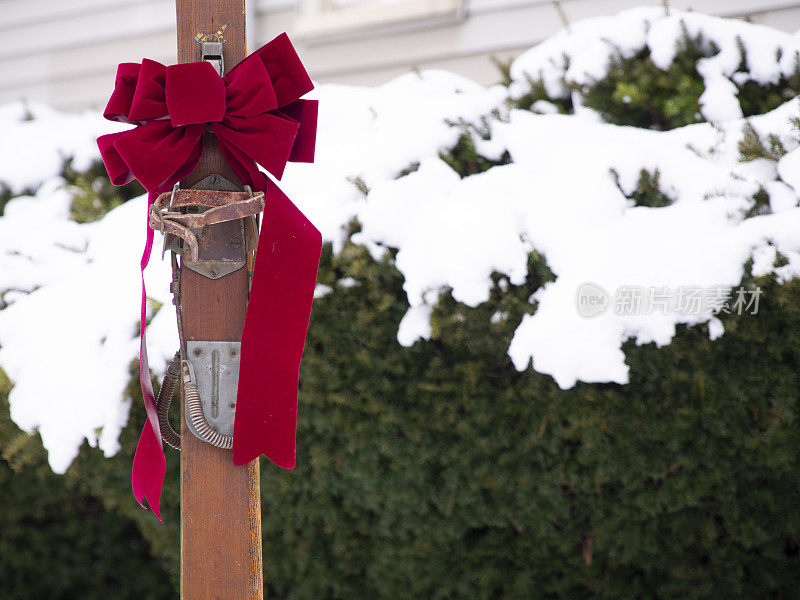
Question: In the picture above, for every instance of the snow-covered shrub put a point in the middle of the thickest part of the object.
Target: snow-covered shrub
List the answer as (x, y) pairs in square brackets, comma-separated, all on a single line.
[(93, 195), (650, 69), (506, 447), (463, 157), (57, 540)]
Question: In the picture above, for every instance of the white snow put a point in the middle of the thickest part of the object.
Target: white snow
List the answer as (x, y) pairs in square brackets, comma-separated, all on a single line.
[(789, 169), (321, 290), (374, 133), (348, 282), (781, 196), (715, 328), (415, 325), (37, 139), (560, 199), (68, 344), (69, 332)]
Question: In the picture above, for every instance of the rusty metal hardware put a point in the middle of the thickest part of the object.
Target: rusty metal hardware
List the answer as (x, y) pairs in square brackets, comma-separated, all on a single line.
[(211, 229), (220, 207)]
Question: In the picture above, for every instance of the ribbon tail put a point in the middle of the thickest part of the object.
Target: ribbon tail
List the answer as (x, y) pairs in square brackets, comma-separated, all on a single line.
[(275, 329), (148, 470), (149, 462)]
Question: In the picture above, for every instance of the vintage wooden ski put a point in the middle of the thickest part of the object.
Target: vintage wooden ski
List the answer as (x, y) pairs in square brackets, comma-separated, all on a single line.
[(220, 502)]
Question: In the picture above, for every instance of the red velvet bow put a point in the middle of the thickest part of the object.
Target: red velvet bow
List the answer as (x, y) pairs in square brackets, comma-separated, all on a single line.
[(258, 118), (255, 112)]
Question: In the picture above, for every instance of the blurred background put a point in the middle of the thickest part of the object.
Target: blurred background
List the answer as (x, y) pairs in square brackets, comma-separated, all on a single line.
[(465, 431), (63, 53)]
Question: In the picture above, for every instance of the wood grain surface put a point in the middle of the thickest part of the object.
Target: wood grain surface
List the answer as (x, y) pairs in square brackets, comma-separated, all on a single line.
[(220, 503)]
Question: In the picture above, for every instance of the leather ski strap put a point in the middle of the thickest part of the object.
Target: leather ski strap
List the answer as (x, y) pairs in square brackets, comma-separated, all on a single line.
[(220, 207)]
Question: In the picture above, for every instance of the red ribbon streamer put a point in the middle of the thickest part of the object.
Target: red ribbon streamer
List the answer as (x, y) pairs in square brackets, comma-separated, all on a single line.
[(258, 118)]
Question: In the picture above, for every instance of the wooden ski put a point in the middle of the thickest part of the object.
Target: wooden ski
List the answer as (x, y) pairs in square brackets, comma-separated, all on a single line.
[(220, 503)]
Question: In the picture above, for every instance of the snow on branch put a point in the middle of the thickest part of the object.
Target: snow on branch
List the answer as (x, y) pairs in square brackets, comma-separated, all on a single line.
[(435, 173)]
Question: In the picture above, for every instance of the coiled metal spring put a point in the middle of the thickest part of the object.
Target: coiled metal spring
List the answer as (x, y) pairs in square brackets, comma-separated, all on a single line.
[(194, 407), (168, 434), (194, 411)]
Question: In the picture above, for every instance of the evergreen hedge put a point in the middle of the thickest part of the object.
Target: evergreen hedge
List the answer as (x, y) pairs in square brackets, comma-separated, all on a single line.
[(638, 93), (439, 471), (57, 540)]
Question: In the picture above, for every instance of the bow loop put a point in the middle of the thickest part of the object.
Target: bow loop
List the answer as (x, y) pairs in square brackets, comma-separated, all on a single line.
[(148, 99), (118, 171), (248, 89), (254, 110), (119, 105), (158, 154), (194, 94), (287, 73), (266, 139)]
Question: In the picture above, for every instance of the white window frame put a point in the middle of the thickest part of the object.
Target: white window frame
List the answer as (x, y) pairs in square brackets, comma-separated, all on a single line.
[(322, 20)]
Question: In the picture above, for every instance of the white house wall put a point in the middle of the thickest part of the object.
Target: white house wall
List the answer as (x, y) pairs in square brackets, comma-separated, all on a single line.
[(65, 52)]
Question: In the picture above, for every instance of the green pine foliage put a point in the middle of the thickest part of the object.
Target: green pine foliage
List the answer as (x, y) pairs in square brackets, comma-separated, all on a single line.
[(504, 69), (536, 91), (360, 185), (757, 98), (440, 471), (648, 189), (93, 193), (109, 480), (754, 146), (463, 157), (760, 204), (412, 168), (638, 93), (635, 91), (56, 540), (5, 195)]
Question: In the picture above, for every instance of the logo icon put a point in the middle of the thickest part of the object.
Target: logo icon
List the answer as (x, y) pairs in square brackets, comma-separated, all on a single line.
[(591, 300)]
